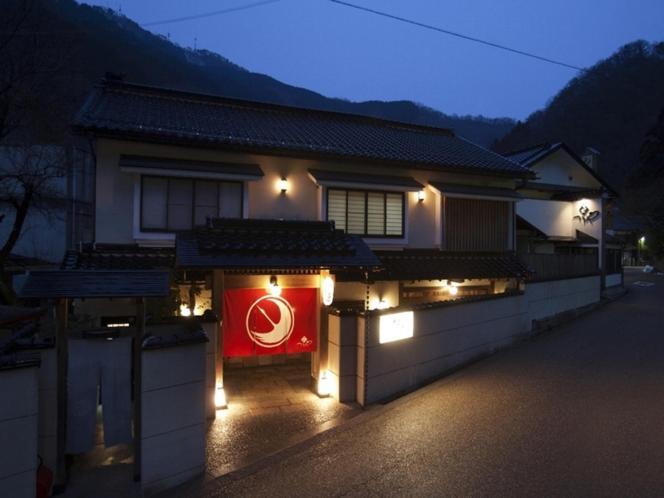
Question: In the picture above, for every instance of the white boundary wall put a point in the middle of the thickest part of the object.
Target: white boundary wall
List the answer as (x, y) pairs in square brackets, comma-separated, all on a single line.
[(173, 416), (48, 407), (547, 299), (18, 432), (444, 337), (450, 335)]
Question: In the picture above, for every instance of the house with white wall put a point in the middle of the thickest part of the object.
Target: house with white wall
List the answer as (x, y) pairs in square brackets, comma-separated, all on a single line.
[(564, 210)]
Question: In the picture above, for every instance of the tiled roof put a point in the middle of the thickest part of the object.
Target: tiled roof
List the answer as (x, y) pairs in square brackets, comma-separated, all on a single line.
[(271, 244), (529, 157), (119, 257), (427, 264), (18, 263), (124, 110), (475, 191), (95, 283), (585, 238), (143, 163), (342, 177)]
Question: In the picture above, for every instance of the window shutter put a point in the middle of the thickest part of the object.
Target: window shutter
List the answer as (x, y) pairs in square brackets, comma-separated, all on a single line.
[(356, 212), (179, 204), (230, 200), (375, 213), (153, 203), (336, 208), (206, 198), (394, 214)]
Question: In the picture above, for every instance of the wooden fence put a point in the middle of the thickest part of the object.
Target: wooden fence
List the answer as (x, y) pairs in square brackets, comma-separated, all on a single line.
[(560, 266)]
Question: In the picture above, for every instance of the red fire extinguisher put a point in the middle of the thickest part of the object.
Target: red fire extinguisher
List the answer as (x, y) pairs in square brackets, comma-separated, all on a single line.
[(44, 479)]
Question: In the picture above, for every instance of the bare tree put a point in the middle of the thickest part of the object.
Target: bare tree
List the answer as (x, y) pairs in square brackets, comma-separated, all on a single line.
[(33, 57), (31, 180)]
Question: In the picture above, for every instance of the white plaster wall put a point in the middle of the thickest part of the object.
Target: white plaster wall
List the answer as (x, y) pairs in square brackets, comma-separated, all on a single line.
[(342, 356), (554, 218), (212, 331), (593, 229), (357, 291), (303, 200), (546, 299), (561, 169), (444, 337), (173, 416), (18, 432)]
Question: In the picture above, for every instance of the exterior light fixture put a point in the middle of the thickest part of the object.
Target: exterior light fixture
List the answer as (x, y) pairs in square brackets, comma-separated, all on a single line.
[(420, 196), (454, 290), (184, 310), (220, 398), (379, 304), (395, 327), (274, 288), (327, 290), (283, 185), (324, 387), (642, 240)]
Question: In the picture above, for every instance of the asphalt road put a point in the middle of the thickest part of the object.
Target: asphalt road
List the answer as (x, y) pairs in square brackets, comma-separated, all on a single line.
[(576, 411)]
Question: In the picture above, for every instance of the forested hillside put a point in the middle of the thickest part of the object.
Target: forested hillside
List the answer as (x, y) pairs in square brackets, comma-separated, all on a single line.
[(610, 107)]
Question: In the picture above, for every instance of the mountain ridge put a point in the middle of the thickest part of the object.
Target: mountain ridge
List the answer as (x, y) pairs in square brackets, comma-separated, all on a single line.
[(610, 107), (110, 42)]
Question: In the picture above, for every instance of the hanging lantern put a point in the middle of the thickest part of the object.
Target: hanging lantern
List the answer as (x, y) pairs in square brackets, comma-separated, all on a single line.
[(327, 290)]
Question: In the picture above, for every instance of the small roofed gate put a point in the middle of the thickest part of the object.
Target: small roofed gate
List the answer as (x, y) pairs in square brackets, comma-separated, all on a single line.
[(272, 283), (82, 361)]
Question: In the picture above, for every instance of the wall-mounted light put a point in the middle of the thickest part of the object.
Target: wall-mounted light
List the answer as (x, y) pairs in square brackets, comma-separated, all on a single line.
[(327, 290), (453, 290), (184, 310), (283, 185), (420, 196), (378, 303), (274, 288), (642, 240)]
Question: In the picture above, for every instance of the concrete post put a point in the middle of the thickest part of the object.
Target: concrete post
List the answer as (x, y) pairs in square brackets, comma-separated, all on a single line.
[(62, 348)]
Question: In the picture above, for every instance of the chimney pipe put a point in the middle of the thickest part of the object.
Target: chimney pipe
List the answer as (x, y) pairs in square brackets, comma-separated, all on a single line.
[(591, 158)]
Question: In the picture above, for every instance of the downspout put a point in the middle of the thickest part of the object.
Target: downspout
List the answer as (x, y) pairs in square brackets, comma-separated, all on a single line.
[(602, 242)]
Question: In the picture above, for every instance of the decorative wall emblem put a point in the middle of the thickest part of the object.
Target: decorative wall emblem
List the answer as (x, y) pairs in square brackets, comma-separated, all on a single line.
[(276, 316), (586, 215)]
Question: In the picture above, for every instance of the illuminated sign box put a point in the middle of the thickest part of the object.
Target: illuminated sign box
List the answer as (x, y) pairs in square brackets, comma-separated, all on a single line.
[(395, 327)]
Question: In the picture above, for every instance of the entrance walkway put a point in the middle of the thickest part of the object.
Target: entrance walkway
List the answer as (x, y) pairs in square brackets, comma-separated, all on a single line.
[(269, 408)]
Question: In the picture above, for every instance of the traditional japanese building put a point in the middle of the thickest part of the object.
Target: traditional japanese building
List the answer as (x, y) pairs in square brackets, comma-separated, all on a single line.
[(382, 253)]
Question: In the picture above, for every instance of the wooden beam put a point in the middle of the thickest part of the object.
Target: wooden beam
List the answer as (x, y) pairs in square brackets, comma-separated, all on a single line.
[(138, 398), (218, 284), (320, 361), (62, 362)]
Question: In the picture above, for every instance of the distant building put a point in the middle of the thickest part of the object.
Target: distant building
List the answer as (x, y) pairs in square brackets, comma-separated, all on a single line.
[(565, 209)]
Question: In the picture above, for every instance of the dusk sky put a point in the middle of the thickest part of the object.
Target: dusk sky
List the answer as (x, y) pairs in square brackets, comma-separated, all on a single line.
[(342, 52)]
